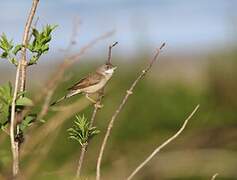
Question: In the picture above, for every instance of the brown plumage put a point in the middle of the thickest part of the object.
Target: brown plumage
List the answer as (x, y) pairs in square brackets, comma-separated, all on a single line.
[(91, 83), (90, 80)]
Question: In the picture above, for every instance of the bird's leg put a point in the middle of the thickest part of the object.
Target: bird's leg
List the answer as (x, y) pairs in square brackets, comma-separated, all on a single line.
[(90, 99), (99, 98), (101, 93)]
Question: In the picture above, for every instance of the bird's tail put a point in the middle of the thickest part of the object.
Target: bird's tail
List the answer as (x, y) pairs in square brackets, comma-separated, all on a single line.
[(70, 94), (59, 100)]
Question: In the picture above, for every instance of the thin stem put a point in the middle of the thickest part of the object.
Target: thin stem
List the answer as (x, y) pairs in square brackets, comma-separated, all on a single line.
[(14, 145), (96, 108), (129, 92), (214, 176), (80, 162), (20, 81), (25, 41), (162, 145), (110, 52)]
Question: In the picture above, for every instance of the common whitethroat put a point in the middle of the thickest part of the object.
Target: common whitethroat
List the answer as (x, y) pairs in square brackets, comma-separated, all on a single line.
[(91, 84)]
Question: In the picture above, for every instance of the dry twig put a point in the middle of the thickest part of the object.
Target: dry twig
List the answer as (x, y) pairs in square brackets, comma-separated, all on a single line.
[(162, 145), (20, 81), (110, 52), (214, 176), (14, 144), (25, 41), (81, 159), (129, 92)]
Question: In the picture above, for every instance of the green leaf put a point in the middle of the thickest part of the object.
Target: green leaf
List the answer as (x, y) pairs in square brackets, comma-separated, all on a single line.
[(4, 54), (46, 39), (14, 61), (5, 44), (45, 48), (5, 102), (6, 92), (19, 94), (35, 32), (27, 121), (24, 101), (34, 59), (41, 40), (17, 48)]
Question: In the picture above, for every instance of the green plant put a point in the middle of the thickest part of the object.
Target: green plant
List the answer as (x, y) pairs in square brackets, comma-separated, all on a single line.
[(40, 43), (81, 131), (9, 50), (5, 105), (38, 46)]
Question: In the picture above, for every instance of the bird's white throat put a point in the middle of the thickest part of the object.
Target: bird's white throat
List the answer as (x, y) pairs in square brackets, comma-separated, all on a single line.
[(110, 71)]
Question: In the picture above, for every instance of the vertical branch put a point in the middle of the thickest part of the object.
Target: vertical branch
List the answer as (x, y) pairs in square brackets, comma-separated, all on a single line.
[(25, 41), (162, 145), (20, 82), (110, 52), (96, 108), (14, 145), (81, 159), (129, 92)]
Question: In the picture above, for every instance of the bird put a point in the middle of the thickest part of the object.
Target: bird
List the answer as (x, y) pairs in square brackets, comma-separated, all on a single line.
[(90, 84)]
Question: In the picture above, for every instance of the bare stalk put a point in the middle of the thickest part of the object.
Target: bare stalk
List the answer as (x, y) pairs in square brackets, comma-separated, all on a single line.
[(25, 41), (20, 82), (14, 144), (96, 108), (83, 151), (162, 145), (129, 92), (214, 176), (110, 52)]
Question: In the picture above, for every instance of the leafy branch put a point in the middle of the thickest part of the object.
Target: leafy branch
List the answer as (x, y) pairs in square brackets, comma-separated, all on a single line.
[(81, 131), (40, 43), (38, 46), (9, 50), (5, 107)]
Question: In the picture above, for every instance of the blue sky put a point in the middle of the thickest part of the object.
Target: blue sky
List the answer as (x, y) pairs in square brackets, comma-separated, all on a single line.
[(186, 25)]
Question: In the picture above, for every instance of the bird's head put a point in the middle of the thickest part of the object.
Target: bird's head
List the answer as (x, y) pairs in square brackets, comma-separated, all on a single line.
[(106, 69)]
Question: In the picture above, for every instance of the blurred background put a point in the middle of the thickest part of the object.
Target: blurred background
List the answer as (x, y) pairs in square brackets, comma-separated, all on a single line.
[(197, 66)]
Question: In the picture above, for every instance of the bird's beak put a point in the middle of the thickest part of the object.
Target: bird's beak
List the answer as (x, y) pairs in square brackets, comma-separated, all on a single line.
[(115, 67)]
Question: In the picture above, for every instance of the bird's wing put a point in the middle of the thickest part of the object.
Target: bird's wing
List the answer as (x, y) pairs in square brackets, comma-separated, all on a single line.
[(90, 80)]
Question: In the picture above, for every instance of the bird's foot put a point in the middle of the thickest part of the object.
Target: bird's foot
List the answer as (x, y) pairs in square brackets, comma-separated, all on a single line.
[(98, 105)]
